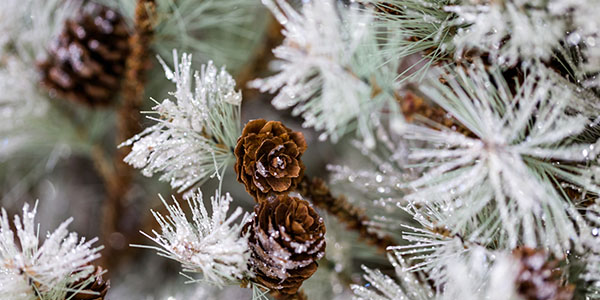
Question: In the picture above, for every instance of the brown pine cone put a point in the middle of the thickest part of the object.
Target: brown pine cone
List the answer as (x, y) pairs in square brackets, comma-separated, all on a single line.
[(539, 277), (286, 238), (268, 158), (95, 290), (86, 61)]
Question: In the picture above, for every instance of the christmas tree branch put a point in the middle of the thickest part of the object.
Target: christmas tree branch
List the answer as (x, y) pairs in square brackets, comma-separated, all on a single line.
[(317, 191)]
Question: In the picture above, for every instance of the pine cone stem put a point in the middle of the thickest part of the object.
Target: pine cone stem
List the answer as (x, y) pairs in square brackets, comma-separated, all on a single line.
[(355, 219)]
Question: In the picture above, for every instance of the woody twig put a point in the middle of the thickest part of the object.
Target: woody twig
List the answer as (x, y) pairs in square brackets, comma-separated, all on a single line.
[(118, 179)]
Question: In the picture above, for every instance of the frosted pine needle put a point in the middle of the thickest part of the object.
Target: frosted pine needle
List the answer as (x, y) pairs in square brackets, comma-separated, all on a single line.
[(506, 163), (195, 133), (27, 27), (328, 69), (592, 258), (474, 275), (509, 31), (21, 102), (208, 244), (482, 274), (456, 267), (223, 30), (30, 269), (407, 27), (585, 34), (430, 244), (386, 288)]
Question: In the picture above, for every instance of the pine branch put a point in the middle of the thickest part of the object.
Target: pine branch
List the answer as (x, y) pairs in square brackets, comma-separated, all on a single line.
[(128, 119), (354, 218), (137, 64), (195, 130), (209, 244)]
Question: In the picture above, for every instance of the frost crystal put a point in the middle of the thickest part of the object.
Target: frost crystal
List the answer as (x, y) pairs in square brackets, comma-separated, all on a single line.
[(508, 30), (505, 165), (211, 245), (592, 257), (194, 135), (475, 274), (322, 71), (407, 27), (27, 26), (223, 30), (29, 270), (482, 274), (385, 288), (20, 102), (585, 34)]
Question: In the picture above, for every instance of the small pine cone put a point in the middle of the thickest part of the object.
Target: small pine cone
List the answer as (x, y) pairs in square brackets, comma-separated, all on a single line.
[(86, 61), (95, 290), (539, 277), (268, 158), (286, 238)]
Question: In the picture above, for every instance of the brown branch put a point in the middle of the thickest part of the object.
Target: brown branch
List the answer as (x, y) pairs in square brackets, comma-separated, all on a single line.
[(104, 167), (137, 64), (355, 219), (118, 182)]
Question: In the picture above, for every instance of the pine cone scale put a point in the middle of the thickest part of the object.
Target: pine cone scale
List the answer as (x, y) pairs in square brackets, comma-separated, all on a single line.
[(60, 77)]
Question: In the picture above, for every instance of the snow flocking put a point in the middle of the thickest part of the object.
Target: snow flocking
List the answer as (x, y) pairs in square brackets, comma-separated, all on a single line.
[(212, 245), (195, 133), (505, 162), (30, 268)]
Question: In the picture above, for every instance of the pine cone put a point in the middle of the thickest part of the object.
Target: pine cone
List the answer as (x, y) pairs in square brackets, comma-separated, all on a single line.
[(539, 277), (95, 290), (286, 238), (268, 158), (86, 61)]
